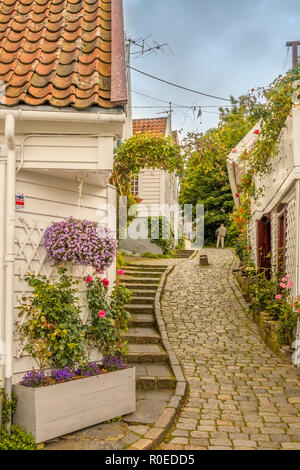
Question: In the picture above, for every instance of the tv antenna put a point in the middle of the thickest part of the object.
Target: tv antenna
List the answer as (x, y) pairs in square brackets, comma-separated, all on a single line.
[(141, 47)]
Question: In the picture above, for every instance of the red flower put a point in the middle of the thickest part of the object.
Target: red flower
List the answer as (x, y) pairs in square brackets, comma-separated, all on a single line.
[(256, 132), (102, 313), (237, 195), (249, 248), (139, 200), (105, 282), (88, 279), (120, 272), (252, 89)]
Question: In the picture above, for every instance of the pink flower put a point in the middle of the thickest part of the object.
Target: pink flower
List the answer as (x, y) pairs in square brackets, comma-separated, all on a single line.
[(105, 282), (290, 284), (288, 277), (99, 271), (88, 279), (234, 151), (298, 311), (102, 313), (284, 279), (282, 285), (278, 297), (120, 272)]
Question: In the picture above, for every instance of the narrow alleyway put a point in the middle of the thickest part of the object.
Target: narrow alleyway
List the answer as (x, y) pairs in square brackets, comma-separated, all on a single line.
[(241, 395)]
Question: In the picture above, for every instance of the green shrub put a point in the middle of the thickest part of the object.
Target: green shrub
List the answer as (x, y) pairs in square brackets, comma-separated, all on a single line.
[(53, 328), (17, 439), (105, 331), (160, 226), (120, 260)]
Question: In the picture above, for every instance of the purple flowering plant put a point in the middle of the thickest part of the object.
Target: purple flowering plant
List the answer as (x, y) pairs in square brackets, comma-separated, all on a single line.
[(89, 369), (81, 242), (61, 375), (112, 363), (35, 378), (39, 378)]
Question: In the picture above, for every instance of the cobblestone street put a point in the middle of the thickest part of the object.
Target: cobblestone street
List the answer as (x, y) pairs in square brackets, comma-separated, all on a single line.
[(241, 396)]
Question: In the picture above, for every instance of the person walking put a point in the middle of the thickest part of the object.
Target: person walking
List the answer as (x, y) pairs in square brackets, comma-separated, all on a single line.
[(221, 233)]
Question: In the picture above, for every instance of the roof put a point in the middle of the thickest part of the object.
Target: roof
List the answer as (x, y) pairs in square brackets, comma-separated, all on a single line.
[(156, 126), (63, 53)]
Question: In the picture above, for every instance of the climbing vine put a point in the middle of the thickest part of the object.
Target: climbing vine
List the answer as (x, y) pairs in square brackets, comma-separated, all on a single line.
[(144, 150), (273, 115)]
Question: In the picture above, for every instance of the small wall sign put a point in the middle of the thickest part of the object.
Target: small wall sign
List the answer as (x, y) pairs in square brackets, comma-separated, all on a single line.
[(19, 201)]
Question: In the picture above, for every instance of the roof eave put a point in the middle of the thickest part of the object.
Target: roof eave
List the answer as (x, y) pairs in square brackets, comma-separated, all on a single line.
[(118, 65)]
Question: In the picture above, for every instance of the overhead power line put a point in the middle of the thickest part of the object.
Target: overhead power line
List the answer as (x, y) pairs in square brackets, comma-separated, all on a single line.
[(179, 86), (179, 105)]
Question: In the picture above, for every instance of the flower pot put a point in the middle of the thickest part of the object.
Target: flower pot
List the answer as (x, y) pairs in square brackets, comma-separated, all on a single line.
[(54, 410)]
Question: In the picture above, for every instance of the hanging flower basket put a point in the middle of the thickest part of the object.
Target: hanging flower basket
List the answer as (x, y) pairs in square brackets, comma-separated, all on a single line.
[(81, 242)]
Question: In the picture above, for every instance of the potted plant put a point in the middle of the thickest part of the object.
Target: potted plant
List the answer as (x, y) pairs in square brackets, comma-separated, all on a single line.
[(68, 392)]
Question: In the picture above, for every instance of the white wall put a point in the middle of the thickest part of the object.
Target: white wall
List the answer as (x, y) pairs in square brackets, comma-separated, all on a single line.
[(49, 199), (53, 160)]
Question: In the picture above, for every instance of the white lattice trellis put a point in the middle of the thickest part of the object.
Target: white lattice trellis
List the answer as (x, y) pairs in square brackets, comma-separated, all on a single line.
[(252, 238), (31, 257), (291, 239)]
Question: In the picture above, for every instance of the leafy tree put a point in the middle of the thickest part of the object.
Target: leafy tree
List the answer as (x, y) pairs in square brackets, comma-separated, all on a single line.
[(205, 178)]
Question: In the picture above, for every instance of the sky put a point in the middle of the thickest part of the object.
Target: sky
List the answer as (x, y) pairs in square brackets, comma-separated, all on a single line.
[(219, 47)]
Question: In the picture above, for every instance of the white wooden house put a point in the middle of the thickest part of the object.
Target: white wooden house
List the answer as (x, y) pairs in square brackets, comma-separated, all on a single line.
[(62, 113), (274, 226), (158, 189)]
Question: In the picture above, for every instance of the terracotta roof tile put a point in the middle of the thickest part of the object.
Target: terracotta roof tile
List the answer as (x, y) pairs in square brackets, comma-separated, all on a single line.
[(60, 52), (156, 126)]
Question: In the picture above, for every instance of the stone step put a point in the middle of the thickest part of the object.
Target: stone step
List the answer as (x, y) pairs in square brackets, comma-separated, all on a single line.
[(140, 280), (139, 308), (138, 286), (153, 376), (149, 405), (144, 293), (146, 353), (141, 321), (142, 336), (144, 270), (147, 266), (142, 300), (143, 274), (184, 254)]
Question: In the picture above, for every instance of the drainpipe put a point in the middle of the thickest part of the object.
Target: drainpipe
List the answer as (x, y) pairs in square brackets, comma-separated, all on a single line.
[(9, 257)]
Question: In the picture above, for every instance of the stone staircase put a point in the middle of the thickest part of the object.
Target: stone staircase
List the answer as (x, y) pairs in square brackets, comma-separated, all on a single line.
[(184, 254), (154, 379)]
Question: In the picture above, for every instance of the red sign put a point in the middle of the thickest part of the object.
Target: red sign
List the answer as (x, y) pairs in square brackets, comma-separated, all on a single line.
[(19, 201)]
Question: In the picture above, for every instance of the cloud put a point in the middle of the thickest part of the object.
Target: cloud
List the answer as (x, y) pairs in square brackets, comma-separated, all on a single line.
[(220, 47)]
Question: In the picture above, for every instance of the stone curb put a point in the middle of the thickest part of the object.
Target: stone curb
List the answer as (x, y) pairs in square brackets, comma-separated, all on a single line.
[(159, 429), (193, 255)]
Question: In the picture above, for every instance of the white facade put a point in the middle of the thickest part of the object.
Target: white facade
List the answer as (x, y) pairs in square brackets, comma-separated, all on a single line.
[(159, 190), (280, 189), (63, 165)]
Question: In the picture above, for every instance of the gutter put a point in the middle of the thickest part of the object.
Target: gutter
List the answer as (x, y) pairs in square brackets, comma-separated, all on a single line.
[(9, 256), (37, 115)]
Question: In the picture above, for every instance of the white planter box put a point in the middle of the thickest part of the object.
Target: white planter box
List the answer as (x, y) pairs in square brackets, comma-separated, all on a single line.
[(59, 409)]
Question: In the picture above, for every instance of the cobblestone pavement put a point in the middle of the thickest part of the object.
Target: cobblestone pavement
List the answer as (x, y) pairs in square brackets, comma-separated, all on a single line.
[(241, 395)]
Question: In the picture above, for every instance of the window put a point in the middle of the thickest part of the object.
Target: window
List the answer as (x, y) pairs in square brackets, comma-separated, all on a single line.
[(135, 186)]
